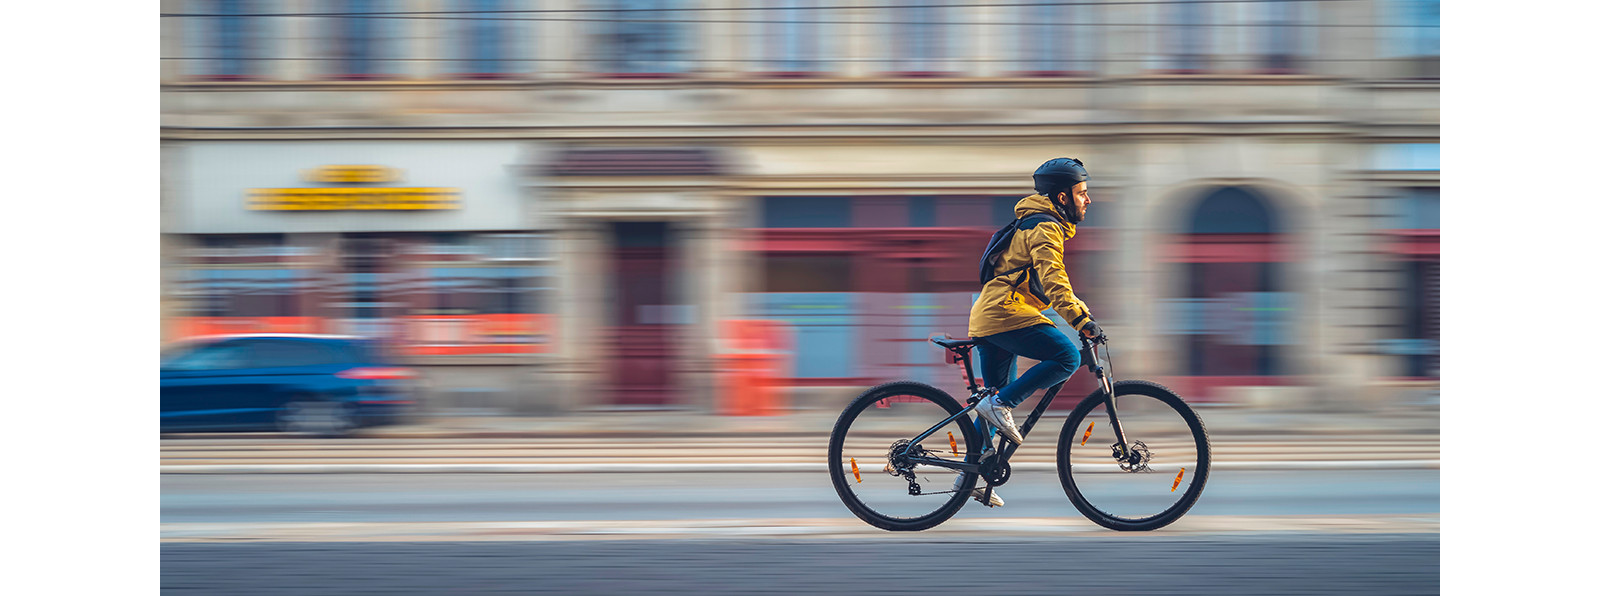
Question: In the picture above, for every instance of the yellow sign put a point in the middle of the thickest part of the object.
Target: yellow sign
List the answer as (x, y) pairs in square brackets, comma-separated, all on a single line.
[(353, 199), (353, 174)]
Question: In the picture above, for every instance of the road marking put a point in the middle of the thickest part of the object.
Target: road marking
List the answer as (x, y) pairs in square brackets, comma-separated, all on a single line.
[(825, 528), (728, 467)]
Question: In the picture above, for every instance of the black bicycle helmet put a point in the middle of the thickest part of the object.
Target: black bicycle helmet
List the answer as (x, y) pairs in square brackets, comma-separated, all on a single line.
[(1058, 174)]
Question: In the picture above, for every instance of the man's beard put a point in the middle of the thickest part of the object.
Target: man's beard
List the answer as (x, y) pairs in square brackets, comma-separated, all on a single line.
[(1070, 212)]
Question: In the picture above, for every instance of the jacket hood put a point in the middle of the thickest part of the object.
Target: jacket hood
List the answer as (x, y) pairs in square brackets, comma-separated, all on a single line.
[(1040, 204)]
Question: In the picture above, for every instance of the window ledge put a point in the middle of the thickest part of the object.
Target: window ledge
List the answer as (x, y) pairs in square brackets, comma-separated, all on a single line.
[(1226, 78), (1401, 84), (736, 80)]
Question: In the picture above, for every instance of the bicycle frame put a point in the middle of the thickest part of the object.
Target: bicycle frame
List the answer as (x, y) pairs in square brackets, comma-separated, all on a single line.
[(963, 356)]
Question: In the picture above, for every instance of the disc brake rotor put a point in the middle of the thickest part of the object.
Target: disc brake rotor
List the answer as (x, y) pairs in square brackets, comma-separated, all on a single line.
[(1137, 459)]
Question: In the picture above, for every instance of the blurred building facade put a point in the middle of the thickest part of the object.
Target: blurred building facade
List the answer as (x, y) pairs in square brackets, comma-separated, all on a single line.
[(561, 205)]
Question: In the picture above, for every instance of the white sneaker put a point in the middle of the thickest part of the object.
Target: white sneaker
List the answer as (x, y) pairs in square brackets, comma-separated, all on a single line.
[(1000, 417), (994, 498), (977, 493)]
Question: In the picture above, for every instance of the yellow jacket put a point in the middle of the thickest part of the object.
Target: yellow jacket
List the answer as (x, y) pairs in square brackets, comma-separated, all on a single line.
[(1015, 301)]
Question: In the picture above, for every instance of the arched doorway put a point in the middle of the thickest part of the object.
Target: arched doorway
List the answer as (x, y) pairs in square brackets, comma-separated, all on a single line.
[(1236, 308)]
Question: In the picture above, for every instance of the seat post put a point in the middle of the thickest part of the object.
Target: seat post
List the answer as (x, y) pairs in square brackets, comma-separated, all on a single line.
[(964, 357)]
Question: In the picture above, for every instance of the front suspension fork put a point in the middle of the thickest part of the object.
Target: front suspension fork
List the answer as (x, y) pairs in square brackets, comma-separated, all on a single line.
[(1106, 385)]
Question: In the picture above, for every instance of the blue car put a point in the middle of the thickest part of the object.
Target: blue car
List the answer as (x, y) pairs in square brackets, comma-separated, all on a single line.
[(309, 384)]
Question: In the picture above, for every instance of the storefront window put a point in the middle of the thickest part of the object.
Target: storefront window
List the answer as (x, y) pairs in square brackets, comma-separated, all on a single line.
[(1235, 309), (475, 293), (1414, 245), (809, 273), (806, 212), (246, 283), (247, 292)]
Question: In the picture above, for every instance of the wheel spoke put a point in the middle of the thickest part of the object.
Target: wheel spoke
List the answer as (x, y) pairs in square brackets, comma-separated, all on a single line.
[(899, 488), (1146, 483)]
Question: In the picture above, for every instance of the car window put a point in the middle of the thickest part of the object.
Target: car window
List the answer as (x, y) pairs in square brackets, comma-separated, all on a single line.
[(367, 352), (213, 357), (282, 353)]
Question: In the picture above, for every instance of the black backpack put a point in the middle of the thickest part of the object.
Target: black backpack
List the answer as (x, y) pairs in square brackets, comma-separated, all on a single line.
[(1001, 240)]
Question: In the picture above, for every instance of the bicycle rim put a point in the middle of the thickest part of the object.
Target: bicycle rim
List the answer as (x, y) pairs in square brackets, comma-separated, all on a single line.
[(1170, 458), (866, 475)]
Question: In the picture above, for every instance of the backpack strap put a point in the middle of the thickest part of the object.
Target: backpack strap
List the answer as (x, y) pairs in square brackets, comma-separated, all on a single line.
[(1028, 223), (1031, 221)]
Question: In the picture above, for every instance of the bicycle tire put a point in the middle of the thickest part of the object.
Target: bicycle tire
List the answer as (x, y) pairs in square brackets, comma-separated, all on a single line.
[(840, 474), (1069, 439)]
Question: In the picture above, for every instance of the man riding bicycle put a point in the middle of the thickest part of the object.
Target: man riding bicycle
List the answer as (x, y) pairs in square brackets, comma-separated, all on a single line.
[(1007, 318)]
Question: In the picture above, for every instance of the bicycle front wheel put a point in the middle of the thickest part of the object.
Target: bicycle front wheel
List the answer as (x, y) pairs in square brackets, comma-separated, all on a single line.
[(1155, 479), (869, 450)]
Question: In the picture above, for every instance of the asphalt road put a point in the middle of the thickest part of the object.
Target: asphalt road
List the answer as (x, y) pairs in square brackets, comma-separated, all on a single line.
[(1365, 564), (638, 533)]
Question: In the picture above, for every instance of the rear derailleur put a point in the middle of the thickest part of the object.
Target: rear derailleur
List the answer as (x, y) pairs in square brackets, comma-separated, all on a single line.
[(900, 454)]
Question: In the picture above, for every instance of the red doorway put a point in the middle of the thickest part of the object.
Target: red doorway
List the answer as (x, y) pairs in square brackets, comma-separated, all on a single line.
[(645, 315)]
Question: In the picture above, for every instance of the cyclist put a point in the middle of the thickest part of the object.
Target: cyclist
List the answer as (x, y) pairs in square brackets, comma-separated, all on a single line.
[(1006, 320)]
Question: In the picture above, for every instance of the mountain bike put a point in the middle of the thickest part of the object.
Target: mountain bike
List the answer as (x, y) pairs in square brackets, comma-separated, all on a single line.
[(905, 456)]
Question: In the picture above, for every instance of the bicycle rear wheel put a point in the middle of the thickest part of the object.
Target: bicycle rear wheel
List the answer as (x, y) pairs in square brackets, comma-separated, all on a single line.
[(1160, 477), (866, 456)]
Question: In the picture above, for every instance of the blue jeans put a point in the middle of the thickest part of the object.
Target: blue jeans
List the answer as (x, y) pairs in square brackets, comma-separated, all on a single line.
[(1058, 357)]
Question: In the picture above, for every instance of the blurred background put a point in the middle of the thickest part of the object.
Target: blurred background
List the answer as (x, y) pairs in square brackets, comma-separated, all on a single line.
[(763, 207)]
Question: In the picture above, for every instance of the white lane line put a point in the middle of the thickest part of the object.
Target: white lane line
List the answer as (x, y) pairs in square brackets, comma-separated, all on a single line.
[(770, 527), (579, 468)]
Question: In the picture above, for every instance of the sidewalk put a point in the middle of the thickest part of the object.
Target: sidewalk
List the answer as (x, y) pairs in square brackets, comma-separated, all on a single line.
[(1220, 421), (797, 442)]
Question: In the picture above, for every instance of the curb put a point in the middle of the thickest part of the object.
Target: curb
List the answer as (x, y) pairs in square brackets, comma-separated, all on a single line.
[(601, 468)]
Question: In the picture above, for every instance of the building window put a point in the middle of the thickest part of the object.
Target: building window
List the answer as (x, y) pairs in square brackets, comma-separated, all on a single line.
[(1413, 40), (809, 273), (1414, 245), (1055, 39), (1235, 311), (924, 211), (230, 45), (479, 293), (485, 40), (1405, 157), (806, 212), (246, 283), (791, 42), (1280, 36), (223, 292), (919, 39), (362, 45), (1187, 38), (475, 274), (638, 38), (478, 290)]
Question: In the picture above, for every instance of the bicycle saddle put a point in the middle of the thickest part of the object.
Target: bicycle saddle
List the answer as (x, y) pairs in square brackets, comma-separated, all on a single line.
[(952, 344)]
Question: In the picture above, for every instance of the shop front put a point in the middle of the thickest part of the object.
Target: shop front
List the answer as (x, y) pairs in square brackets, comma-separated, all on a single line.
[(431, 247)]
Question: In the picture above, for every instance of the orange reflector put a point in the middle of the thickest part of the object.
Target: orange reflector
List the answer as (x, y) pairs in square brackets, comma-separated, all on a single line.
[(855, 470), (1086, 434), (1175, 482), (953, 450)]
